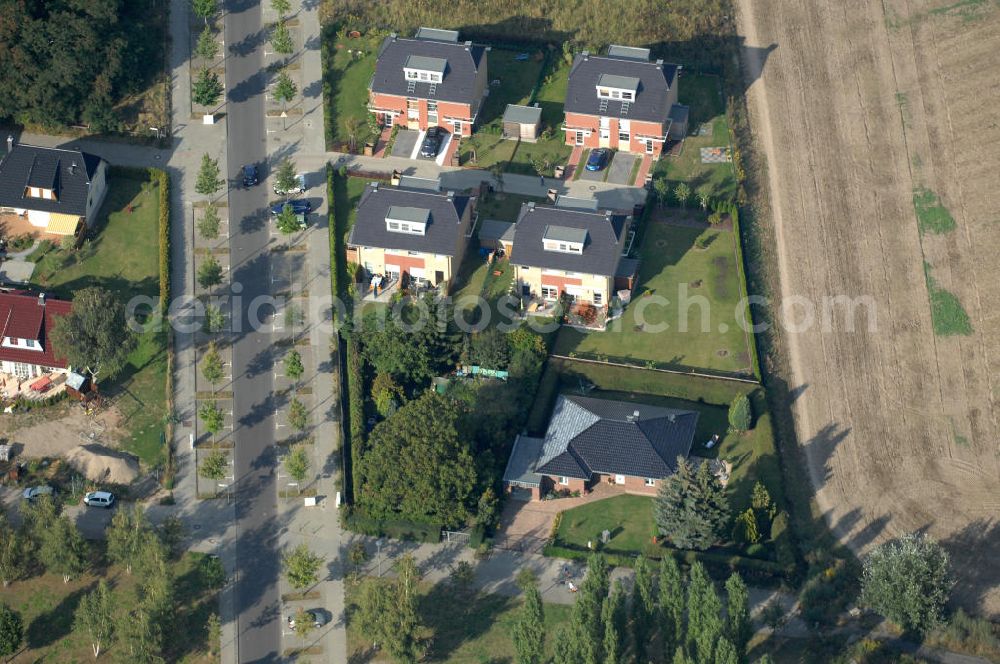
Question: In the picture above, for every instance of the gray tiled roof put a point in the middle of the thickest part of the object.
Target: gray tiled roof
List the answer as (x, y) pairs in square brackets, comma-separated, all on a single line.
[(588, 435), (495, 229), (458, 83), (441, 235), (651, 100), (529, 115), (50, 168), (601, 253)]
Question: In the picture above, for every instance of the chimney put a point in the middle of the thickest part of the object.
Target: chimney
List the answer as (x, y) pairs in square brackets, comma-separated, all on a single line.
[(72, 168), (659, 62), (531, 206), (10, 142), (586, 55), (41, 299), (451, 195)]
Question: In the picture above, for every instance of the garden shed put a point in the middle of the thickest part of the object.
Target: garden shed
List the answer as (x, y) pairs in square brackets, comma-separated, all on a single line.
[(522, 122)]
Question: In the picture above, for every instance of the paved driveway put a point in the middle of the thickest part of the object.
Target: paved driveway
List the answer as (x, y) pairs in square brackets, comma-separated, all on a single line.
[(621, 168), (406, 140)]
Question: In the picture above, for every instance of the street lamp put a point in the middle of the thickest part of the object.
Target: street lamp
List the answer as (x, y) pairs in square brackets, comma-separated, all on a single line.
[(378, 545)]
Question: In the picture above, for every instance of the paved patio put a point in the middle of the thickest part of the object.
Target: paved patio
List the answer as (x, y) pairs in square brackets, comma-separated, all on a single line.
[(526, 525)]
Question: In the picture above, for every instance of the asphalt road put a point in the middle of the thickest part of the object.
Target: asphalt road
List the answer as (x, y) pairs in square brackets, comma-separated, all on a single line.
[(258, 600)]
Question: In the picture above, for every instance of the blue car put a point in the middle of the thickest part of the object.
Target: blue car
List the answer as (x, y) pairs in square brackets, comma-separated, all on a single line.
[(597, 160), (299, 206)]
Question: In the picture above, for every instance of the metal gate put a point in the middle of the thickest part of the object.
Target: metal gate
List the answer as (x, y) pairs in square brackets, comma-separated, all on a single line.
[(456, 536)]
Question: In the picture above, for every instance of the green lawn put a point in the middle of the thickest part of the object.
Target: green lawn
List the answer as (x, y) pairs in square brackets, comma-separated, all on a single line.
[(504, 206), (718, 181), (463, 626), (629, 518), (517, 79), (346, 86), (552, 94), (122, 257), (683, 265)]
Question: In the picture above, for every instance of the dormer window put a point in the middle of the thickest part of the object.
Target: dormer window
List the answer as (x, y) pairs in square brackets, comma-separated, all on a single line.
[(424, 68), (411, 220), (621, 88), (564, 239)]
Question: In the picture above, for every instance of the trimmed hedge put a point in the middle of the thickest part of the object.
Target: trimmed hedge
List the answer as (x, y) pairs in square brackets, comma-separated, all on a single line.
[(741, 275), (163, 180), (355, 438), (335, 254), (396, 529), (24, 404)]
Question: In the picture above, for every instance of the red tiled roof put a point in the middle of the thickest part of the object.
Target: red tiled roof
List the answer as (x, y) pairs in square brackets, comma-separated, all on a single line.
[(22, 317)]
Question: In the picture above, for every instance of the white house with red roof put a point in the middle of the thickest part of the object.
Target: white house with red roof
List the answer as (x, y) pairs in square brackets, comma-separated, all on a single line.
[(25, 345)]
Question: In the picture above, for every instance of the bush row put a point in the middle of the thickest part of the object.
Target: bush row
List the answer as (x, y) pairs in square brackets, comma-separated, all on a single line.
[(21, 403), (357, 522), (163, 180), (355, 437), (741, 275), (718, 565)]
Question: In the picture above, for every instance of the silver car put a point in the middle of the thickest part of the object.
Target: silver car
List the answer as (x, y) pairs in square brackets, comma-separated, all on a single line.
[(35, 491)]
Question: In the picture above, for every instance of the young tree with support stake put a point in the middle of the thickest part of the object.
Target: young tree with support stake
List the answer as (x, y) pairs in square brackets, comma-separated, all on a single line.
[(213, 418), (209, 180), (210, 273), (293, 365), (207, 87), (215, 466), (207, 48), (281, 39), (204, 9), (212, 366), (284, 176), (287, 221), (297, 463), (208, 225), (301, 566)]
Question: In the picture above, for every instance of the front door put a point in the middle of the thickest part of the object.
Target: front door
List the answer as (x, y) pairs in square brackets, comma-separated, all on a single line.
[(649, 147), (388, 119)]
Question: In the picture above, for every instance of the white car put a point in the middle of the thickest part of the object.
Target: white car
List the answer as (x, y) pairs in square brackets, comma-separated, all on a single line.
[(99, 499), (300, 186)]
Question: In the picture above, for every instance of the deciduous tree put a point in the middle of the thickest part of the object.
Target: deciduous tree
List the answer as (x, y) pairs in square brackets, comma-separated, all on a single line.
[(209, 273), (214, 466), (13, 553), (282, 7), (215, 321), (209, 180), (63, 550), (298, 415), (212, 417), (208, 225), (587, 610), (95, 617), (387, 394), (293, 365), (94, 336), (284, 175), (204, 9), (908, 581), (125, 536), (207, 47), (643, 605), (284, 91), (614, 617), (287, 221), (301, 567), (207, 88), (682, 192), (394, 480), (281, 39), (212, 367), (297, 463)]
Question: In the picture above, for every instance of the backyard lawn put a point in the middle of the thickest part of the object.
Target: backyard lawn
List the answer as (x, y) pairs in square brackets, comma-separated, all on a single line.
[(347, 76), (685, 266), (503, 206), (464, 626), (718, 181), (122, 257)]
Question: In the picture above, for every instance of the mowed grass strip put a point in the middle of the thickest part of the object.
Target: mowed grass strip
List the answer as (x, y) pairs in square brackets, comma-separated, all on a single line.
[(694, 271)]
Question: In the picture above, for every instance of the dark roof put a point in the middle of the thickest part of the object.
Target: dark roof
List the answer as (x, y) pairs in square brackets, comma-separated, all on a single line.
[(67, 172), (458, 83), (440, 236), (628, 267), (23, 317), (651, 101), (495, 229), (587, 436), (529, 115), (601, 252)]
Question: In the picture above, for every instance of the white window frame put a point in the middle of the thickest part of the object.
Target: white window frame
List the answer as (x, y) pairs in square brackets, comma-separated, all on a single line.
[(550, 292), (563, 480), (650, 481), (597, 298), (619, 480), (623, 136)]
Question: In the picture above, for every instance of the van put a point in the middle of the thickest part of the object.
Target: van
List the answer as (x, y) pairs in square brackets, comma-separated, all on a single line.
[(99, 499)]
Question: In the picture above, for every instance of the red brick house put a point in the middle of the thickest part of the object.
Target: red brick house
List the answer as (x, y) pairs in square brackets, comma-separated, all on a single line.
[(26, 321), (628, 445), (429, 80), (623, 101)]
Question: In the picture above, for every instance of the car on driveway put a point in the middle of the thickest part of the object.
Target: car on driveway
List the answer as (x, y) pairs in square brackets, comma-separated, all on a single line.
[(597, 160), (33, 492), (300, 186), (299, 206), (432, 142), (250, 175), (315, 614), (99, 499)]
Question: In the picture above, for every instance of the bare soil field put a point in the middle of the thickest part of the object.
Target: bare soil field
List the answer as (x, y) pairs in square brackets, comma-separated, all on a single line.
[(858, 106), (54, 431)]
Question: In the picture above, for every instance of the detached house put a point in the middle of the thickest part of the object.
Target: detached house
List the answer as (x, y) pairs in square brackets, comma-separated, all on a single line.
[(26, 321), (588, 441), (413, 231), (560, 250), (56, 189), (623, 101), (432, 80)]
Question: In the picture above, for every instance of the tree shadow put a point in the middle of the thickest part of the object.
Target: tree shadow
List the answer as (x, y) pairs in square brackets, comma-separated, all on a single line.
[(457, 616), (50, 626), (974, 561)]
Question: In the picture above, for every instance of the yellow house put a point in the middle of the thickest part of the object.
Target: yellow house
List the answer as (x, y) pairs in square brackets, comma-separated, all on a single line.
[(571, 251), (56, 189), (411, 234)]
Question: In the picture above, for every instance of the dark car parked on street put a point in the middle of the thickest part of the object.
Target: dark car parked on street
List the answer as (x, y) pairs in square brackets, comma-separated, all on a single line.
[(432, 142)]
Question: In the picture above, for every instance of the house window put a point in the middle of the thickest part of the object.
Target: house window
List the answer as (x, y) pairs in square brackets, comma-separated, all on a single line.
[(550, 292), (619, 479), (598, 298), (432, 107), (605, 133), (423, 76), (626, 95), (650, 481), (393, 226), (623, 136), (563, 480), (411, 75)]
